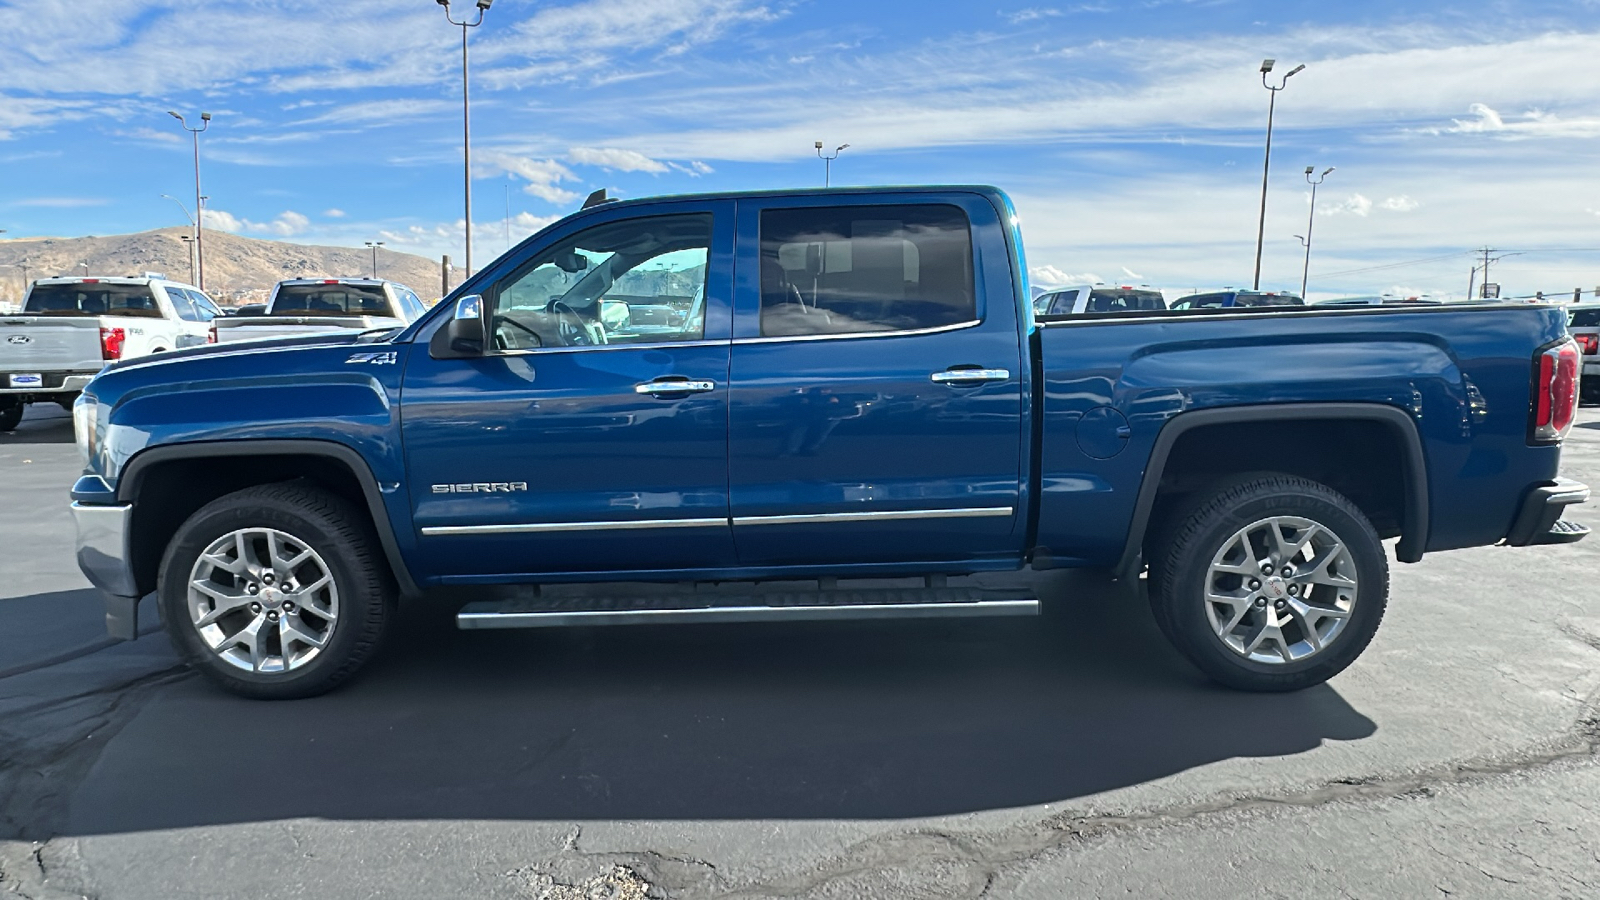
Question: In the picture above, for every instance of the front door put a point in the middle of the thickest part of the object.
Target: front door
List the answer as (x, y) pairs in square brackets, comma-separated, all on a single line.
[(877, 407), (592, 435)]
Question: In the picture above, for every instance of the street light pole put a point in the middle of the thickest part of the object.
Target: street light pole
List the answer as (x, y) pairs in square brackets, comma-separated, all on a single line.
[(188, 239), (1311, 223), (466, 112), (374, 245), (827, 169), (199, 225), (1266, 166)]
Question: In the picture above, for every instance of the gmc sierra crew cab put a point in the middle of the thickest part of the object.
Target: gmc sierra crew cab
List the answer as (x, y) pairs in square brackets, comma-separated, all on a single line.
[(829, 385)]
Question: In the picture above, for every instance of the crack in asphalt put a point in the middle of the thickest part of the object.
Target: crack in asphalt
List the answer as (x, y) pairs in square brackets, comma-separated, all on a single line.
[(945, 864)]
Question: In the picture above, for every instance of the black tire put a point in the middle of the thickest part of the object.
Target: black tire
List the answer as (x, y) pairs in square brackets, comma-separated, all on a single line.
[(11, 417), (1181, 566), (339, 532)]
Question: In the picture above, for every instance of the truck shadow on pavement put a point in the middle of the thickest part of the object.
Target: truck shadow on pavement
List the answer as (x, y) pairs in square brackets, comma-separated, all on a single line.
[(859, 721)]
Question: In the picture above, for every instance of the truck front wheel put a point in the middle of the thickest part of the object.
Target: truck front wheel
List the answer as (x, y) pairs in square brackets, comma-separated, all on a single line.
[(276, 592), (1272, 584)]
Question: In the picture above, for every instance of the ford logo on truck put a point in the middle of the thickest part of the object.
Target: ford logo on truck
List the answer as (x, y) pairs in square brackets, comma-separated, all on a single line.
[(19, 339)]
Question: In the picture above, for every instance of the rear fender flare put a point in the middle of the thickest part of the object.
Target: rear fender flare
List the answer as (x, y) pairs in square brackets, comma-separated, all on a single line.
[(1414, 529)]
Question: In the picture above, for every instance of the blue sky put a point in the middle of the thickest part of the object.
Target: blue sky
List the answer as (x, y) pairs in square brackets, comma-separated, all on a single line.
[(1128, 133)]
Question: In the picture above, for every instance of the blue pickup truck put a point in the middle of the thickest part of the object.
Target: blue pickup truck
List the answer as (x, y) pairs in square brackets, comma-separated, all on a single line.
[(845, 389)]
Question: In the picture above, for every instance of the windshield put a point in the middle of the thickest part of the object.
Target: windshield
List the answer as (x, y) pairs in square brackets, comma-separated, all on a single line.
[(330, 300), (92, 300), (1586, 318), (1124, 301)]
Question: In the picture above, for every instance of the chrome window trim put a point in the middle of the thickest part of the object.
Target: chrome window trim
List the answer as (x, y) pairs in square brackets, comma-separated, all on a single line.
[(664, 345), (560, 527), (885, 516), (776, 338)]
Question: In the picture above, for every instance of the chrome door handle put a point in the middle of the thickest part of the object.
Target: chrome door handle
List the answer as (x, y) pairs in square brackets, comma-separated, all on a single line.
[(970, 376), (674, 386)]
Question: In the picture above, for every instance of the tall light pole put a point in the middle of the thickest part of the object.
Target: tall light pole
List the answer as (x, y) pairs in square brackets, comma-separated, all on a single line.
[(199, 224), (1311, 223), (827, 170), (466, 110), (1261, 229), (374, 245), (188, 239), (85, 269)]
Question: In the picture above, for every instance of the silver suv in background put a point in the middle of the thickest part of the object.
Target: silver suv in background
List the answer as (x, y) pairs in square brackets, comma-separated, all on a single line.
[(313, 305), (1092, 299)]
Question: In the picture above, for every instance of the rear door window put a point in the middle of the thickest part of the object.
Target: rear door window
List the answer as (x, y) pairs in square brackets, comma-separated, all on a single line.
[(182, 304), (91, 299), (1586, 318), (863, 269)]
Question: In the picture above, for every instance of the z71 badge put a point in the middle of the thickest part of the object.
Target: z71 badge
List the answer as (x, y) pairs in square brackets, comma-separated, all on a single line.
[(495, 487), (374, 359)]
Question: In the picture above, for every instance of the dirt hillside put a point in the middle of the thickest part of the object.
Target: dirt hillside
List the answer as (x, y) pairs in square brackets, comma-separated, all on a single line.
[(238, 269)]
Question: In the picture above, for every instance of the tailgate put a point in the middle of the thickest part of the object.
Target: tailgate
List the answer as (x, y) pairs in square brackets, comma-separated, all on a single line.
[(49, 344), (257, 327)]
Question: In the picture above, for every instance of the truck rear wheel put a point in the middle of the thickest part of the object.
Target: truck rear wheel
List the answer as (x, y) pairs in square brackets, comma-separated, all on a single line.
[(1272, 584), (10, 416), (276, 592)]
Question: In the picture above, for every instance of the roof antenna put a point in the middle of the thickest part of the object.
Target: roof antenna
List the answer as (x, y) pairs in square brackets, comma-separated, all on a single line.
[(598, 198)]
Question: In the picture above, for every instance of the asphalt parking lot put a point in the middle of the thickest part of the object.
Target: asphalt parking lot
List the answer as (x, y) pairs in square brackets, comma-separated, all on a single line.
[(1073, 755)]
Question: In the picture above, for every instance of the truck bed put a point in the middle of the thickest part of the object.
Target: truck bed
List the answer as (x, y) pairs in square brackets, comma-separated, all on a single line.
[(1112, 388), (255, 327)]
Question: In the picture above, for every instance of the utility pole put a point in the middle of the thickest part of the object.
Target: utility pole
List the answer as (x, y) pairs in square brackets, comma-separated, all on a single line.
[(1486, 252)]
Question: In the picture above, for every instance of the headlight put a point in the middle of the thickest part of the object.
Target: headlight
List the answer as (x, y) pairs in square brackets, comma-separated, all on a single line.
[(85, 419)]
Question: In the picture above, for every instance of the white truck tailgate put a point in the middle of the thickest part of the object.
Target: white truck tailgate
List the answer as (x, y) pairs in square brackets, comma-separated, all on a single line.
[(38, 344)]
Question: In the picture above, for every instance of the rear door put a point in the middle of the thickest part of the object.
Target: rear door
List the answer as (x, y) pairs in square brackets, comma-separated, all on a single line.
[(584, 443), (877, 407)]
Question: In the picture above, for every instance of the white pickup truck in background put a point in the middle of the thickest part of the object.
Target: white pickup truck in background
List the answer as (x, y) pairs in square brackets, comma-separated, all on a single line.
[(69, 328), (312, 305)]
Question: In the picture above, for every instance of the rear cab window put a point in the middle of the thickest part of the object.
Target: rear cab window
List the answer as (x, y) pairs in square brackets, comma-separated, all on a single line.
[(865, 269), (1585, 318), (92, 299), (335, 300)]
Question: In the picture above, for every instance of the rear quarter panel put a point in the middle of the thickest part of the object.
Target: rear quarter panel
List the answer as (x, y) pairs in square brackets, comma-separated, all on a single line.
[(1462, 375)]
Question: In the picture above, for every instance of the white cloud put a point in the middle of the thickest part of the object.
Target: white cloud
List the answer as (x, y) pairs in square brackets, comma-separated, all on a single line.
[(1050, 276), (1535, 123), (615, 159), (333, 213), (542, 175), (1028, 15), (60, 202), (1355, 205), (1402, 203), (288, 223)]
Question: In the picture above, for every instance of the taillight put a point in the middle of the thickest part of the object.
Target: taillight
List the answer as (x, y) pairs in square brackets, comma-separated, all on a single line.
[(111, 340), (211, 335), (1589, 343), (1555, 397)]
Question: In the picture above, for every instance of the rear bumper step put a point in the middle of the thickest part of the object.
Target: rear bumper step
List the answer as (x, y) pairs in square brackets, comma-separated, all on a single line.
[(1539, 521), (919, 603)]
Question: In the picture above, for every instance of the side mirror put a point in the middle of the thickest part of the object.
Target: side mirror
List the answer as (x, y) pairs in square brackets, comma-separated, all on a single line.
[(464, 335), (814, 259)]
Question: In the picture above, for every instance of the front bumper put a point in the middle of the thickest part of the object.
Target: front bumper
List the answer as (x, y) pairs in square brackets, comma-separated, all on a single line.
[(104, 557), (1539, 520)]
